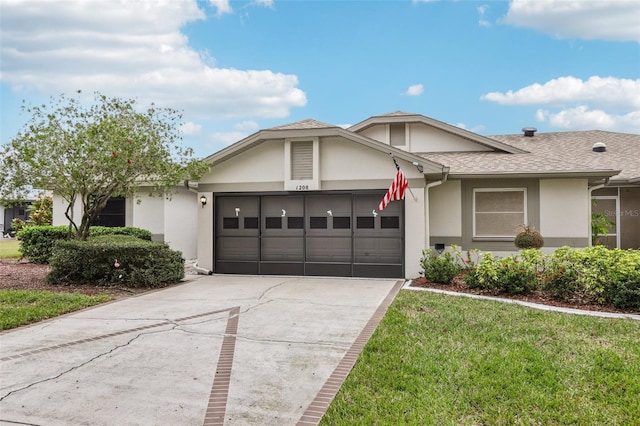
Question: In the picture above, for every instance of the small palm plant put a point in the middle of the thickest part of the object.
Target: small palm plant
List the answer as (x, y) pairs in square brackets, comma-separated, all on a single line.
[(528, 237)]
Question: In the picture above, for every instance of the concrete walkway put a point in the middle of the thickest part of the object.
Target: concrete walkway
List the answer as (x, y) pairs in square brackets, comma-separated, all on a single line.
[(230, 350)]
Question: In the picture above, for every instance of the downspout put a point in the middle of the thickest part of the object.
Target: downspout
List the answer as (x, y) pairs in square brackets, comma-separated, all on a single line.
[(427, 230), (602, 185)]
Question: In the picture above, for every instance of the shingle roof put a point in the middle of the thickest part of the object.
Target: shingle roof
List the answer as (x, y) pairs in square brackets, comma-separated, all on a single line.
[(303, 124), (623, 149), (548, 153)]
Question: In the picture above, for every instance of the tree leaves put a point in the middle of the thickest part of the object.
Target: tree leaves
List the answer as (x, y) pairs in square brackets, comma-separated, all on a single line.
[(93, 152)]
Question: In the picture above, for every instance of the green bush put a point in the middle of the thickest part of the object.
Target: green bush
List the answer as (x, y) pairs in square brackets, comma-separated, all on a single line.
[(36, 242), (560, 276), (513, 274), (439, 269), (115, 260)]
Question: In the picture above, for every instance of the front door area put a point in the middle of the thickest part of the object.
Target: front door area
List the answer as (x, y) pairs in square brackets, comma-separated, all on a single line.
[(321, 234)]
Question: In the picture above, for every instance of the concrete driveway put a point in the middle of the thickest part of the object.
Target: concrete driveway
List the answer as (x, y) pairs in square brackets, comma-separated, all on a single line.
[(219, 349)]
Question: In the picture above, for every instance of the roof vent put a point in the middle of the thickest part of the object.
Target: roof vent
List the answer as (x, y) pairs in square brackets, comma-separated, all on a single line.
[(529, 131), (599, 147)]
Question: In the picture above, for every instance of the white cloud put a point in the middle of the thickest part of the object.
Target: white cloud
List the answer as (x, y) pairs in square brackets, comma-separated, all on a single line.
[(600, 92), (191, 129), (132, 49), (219, 140), (222, 6), (475, 129), (415, 90), (265, 3), (483, 21), (580, 19), (606, 103), (247, 126), (584, 118)]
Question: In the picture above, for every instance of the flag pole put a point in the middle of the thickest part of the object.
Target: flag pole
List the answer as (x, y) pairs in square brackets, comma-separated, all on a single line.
[(398, 168)]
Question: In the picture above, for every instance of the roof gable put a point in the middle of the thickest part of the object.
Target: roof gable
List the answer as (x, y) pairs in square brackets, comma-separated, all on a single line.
[(312, 129), (406, 117)]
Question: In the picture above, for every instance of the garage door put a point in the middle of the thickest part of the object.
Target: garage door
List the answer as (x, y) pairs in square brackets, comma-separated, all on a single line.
[(309, 234)]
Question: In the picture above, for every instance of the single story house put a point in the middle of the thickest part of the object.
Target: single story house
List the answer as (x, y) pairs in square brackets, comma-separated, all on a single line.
[(7, 214), (302, 198)]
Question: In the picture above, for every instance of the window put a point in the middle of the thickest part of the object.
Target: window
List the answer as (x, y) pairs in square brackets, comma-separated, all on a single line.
[(318, 222), (498, 212), (390, 222), (341, 222), (230, 223), (113, 213), (295, 222), (365, 222), (397, 134), (250, 223), (302, 160), (273, 222)]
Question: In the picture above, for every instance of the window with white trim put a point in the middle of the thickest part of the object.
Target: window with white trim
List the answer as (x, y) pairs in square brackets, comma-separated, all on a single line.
[(497, 212)]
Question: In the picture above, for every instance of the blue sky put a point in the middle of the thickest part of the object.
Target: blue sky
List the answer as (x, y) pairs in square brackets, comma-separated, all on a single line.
[(236, 67)]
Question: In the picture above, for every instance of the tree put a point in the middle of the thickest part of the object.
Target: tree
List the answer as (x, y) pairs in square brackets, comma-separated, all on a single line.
[(92, 153)]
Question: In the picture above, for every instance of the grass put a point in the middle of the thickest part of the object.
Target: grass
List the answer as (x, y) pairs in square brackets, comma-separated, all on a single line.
[(21, 307), (445, 360), (9, 248)]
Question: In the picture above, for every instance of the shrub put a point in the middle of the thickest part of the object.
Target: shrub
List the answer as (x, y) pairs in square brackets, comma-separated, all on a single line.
[(36, 242), (560, 276), (439, 269), (115, 260), (528, 238), (513, 274), (17, 225), (595, 274), (485, 275)]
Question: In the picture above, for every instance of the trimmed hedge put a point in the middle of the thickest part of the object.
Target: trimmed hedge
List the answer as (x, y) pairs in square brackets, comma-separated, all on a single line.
[(115, 260), (37, 242)]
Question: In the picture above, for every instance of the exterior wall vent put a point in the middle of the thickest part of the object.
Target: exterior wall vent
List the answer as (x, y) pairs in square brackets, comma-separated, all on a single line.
[(529, 131), (599, 147), (302, 160)]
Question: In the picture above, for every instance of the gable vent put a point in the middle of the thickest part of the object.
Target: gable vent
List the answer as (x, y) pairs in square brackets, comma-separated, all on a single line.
[(599, 147), (302, 160)]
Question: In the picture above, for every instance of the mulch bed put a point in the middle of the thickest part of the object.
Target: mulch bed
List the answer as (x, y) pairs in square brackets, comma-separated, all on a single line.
[(22, 275), (458, 285)]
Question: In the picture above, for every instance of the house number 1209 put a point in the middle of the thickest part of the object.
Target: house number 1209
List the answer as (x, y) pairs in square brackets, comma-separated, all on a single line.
[(302, 187)]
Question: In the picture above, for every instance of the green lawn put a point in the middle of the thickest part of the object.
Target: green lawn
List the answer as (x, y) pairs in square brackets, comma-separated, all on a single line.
[(9, 248), (20, 307), (443, 360)]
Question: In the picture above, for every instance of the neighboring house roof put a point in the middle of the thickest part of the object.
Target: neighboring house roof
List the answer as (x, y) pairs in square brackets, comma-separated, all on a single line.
[(622, 150), (407, 117)]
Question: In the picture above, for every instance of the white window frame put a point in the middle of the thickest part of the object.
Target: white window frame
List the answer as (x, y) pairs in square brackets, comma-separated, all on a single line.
[(509, 237)]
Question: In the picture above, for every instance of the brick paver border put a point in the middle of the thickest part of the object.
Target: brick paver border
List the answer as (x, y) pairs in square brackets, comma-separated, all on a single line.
[(328, 392)]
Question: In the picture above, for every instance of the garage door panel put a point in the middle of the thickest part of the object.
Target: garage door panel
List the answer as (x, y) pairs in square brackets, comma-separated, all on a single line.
[(282, 249), (238, 248), (237, 216), (378, 250), (328, 249)]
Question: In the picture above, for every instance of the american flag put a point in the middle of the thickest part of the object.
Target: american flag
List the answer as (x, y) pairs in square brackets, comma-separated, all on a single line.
[(396, 190)]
